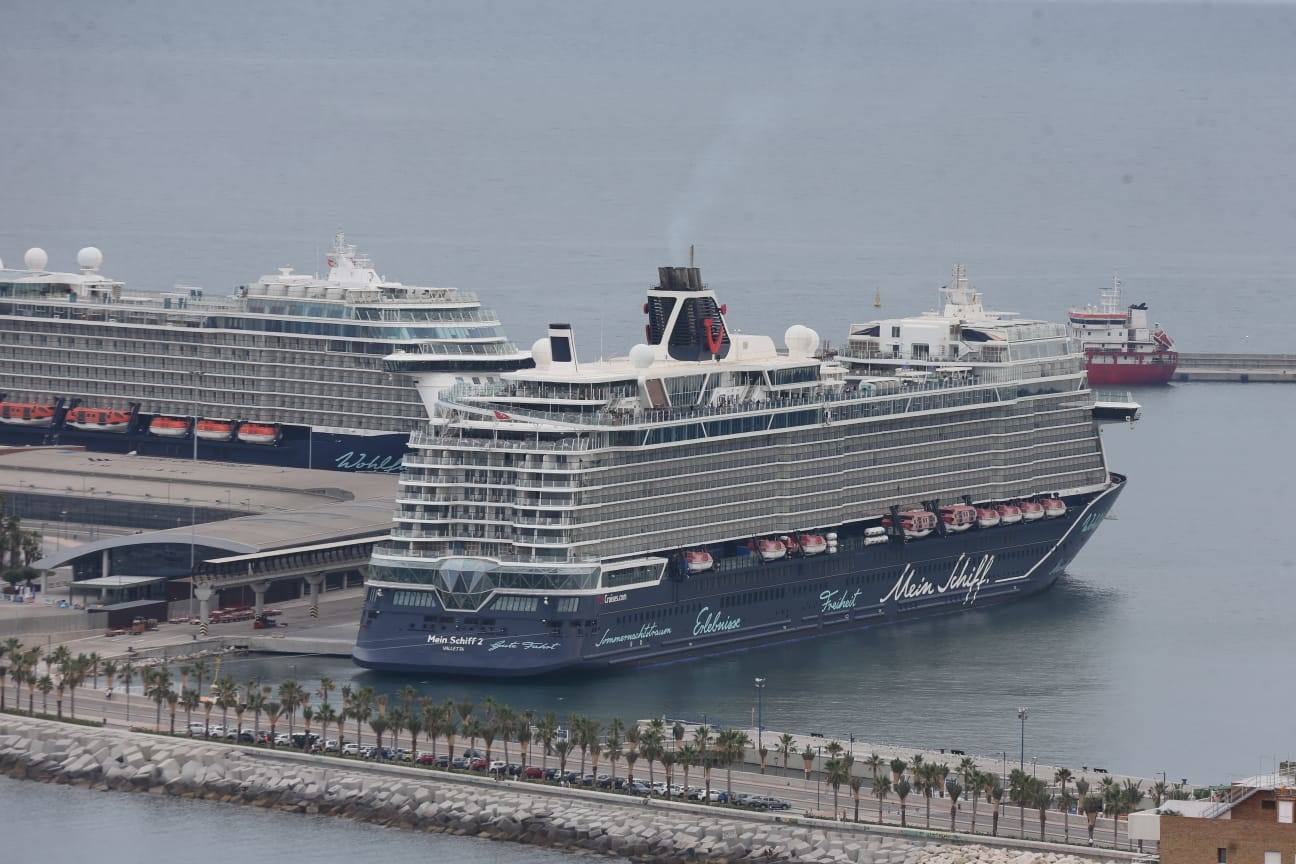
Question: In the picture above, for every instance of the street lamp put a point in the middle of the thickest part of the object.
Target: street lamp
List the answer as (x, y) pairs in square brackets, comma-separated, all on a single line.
[(760, 720), (819, 752), (1022, 714)]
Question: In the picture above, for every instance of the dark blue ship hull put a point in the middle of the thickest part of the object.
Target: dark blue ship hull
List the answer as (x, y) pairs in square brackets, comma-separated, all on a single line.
[(743, 603), (297, 447)]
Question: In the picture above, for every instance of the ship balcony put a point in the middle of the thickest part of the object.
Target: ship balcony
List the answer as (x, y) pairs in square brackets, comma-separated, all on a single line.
[(424, 438)]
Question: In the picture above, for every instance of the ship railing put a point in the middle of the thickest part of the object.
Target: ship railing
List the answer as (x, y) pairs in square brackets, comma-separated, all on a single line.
[(824, 399), (565, 445), (470, 549), (483, 349)]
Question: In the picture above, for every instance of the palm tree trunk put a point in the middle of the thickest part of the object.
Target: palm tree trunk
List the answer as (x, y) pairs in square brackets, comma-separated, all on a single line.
[(994, 829), (974, 812)]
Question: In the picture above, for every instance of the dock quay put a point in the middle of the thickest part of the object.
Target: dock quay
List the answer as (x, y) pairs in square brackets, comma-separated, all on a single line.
[(1245, 368), (416, 798)]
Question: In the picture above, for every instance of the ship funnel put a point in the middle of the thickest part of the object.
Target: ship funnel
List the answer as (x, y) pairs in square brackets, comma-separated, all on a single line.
[(562, 345)]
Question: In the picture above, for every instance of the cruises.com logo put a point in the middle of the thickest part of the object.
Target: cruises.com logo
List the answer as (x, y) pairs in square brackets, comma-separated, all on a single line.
[(614, 598)]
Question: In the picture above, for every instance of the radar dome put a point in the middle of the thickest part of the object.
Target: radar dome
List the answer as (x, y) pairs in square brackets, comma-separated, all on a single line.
[(35, 259), (541, 353), (89, 258), (801, 341), (642, 356)]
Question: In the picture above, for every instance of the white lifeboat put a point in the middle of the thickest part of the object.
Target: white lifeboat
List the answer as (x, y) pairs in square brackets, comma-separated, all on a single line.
[(698, 560), (215, 430), (770, 550), (1008, 514), (168, 427), (258, 433), (958, 517), (1032, 511), (98, 419), (1054, 507), (987, 517), (812, 544), (26, 414)]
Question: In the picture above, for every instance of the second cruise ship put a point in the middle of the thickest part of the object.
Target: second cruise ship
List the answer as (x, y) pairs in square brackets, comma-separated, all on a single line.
[(712, 491), (290, 370)]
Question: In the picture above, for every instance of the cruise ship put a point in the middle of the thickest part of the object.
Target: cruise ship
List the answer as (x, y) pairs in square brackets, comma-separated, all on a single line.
[(291, 370), (712, 491)]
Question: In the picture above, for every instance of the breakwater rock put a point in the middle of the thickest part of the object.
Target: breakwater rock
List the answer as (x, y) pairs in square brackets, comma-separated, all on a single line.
[(423, 800)]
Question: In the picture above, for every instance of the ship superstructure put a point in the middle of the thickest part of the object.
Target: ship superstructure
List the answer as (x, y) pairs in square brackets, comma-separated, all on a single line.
[(713, 489), (1120, 346), (288, 370)]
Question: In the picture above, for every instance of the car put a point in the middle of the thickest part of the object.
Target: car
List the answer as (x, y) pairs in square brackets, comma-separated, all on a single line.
[(425, 759), (587, 780), (350, 749), (282, 740), (531, 772), (459, 762), (248, 736), (197, 729), (777, 803), (473, 753), (638, 787), (570, 777), (551, 773), (497, 766), (330, 746), (676, 790), (659, 787), (696, 793), (604, 781), (478, 765), (442, 761), (215, 731), (514, 769)]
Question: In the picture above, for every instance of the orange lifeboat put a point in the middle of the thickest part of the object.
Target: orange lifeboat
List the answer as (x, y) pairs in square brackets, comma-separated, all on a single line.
[(1054, 507), (698, 560), (771, 550), (169, 427), (958, 517), (98, 419), (812, 544), (26, 414), (916, 524), (987, 517), (258, 433), (1032, 511), (215, 430), (1008, 514)]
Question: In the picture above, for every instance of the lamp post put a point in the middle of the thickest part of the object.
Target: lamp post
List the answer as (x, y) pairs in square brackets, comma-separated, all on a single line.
[(760, 720), (1022, 714), (819, 756)]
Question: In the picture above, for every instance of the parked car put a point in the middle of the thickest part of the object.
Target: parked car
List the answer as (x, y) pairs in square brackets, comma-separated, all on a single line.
[(551, 773), (425, 759), (330, 746), (478, 765), (498, 766), (513, 769), (350, 749), (604, 781), (459, 762), (197, 728), (473, 753), (531, 772), (638, 787)]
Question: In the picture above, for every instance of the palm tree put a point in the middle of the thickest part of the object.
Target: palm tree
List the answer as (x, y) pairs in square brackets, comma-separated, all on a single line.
[(955, 789), (1041, 800), (1062, 777), (687, 756), (994, 793), (110, 668), (898, 767), (292, 697), (925, 779), (668, 760), (361, 708), (1131, 796), (189, 699), (327, 715), (272, 710), (172, 698), (225, 693), (414, 725), (256, 702), (1017, 794), (525, 735), (1111, 796), (873, 762), (127, 675), (807, 761), (701, 740), (881, 788), (732, 747), (44, 684), (784, 747), (902, 790), (633, 736), (378, 723), (974, 781), (562, 748), (78, 670), (157, 684), (1092, 805), (632, 756), (93, 659), (326, 687), (546, 731), (1159, 792), (654, 744), (678, 732), (835, 774), (4, 670), (615, 728), (199, 670)]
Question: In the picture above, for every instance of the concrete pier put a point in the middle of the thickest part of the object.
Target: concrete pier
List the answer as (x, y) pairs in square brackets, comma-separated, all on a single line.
[(1245, 368)]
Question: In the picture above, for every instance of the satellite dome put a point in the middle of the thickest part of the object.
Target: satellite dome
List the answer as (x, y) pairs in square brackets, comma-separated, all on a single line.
[(541, 353), (89, 258), (642, 356), (801, 341), (35, 259)]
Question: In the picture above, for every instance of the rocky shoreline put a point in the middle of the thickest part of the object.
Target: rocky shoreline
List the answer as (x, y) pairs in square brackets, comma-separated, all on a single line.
[(413, 799)]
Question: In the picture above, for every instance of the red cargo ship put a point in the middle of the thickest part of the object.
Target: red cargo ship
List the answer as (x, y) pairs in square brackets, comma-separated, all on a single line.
[(1120, 347)]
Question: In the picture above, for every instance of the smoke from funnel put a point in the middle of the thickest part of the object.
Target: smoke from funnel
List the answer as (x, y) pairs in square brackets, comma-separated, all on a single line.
[(715, 173)]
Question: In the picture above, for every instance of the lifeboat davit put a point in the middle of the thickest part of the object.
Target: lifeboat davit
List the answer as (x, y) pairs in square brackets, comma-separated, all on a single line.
[(958, 517), (258, 433), (215, 430), (26, 414), (916, 524), (771, 550), (812, 544), (1054, 507), (698, 560), (169, 427), (98, 419), (1008, 514), (1032, 511), (987, 517)]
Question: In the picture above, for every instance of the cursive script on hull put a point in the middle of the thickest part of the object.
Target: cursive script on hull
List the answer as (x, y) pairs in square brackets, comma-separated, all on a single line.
[(350, 461), (964, 576), (709, 622), (647, 631)]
